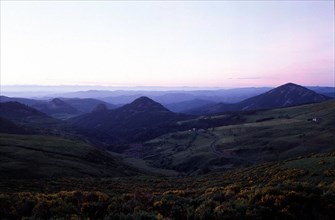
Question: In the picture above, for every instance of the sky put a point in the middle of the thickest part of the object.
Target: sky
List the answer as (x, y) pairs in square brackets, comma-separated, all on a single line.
[(160, 43)]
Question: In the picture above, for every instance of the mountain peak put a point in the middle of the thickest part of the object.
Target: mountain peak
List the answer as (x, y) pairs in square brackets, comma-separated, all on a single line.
[(145, 103), (289, 94), (58, 102), (292, 89), (143, 99), (290, 85)]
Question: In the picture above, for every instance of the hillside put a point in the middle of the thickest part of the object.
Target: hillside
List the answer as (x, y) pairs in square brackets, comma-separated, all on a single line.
[(283, 96), (140, 120), (263, 136), (23, 115), (300, 188), (15, 110), (35, 156), (8, 127)]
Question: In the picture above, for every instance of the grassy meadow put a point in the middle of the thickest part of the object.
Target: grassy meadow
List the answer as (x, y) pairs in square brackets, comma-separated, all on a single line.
[(270, 135)]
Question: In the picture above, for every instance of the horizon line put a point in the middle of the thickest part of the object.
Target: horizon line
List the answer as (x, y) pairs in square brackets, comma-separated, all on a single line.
[(154, 86)]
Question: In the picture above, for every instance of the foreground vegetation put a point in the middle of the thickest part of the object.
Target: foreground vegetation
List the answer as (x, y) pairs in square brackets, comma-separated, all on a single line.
[(302, 188)]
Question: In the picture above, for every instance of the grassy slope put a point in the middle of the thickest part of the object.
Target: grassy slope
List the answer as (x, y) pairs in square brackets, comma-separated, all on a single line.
[(301, 188), (29, 156), (266, 136), (144, 166)]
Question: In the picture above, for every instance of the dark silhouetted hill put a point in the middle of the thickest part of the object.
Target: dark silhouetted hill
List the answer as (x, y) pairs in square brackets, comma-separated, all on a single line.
[(140, 120), (17, 111), (40, 122)]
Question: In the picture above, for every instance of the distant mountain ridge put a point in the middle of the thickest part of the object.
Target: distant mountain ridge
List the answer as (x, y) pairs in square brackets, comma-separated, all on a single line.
[(60, 106), (286, 95), (168, 97), (56, 106), (86, 105), (185, 106), (323, 90), (24, 101), (86, 100)]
